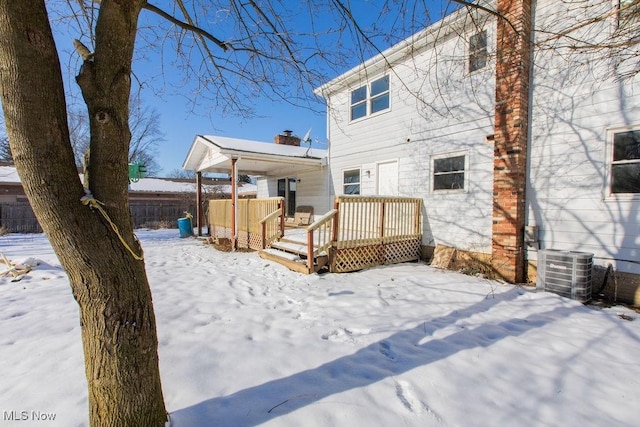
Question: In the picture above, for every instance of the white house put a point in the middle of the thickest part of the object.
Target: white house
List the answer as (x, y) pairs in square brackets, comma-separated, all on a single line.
[(517, 123), (557, 156), (414, 121)]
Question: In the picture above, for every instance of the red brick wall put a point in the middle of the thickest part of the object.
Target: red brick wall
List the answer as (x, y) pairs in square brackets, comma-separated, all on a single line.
[(287, 140), (511, 133)]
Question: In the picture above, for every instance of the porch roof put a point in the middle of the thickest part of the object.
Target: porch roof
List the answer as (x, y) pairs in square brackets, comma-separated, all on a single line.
[(210, 153)]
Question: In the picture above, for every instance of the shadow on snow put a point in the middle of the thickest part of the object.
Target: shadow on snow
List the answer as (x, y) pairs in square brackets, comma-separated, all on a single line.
[(399, 353)]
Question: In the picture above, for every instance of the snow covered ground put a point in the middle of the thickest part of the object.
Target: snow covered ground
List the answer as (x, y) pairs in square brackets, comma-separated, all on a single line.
[(244, 341)]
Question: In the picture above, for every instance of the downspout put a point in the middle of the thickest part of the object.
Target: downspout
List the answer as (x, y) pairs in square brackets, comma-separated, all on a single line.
[(532, 237), (329, 173)]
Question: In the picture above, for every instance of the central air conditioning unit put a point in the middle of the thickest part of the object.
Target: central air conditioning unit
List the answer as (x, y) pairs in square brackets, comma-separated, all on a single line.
[(565, 273)]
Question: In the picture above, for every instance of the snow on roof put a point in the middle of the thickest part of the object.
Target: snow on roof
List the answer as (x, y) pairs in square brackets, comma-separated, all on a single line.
[(8, 174), (236, 144), (166, 185)]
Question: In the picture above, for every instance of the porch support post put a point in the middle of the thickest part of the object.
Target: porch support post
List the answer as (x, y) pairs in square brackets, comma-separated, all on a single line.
[(234, 204), (281, 206), (287, 195), (199, 202), (336, 222), (310, 250)]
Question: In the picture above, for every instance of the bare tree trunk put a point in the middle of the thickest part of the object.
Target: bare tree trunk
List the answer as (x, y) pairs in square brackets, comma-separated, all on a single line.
[(109, 283)]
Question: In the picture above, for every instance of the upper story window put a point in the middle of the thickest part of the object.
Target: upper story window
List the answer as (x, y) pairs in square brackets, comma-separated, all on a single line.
[(625, 163), (370, 98), (449, 172), (351, 181), (628, 13), (478, 51)]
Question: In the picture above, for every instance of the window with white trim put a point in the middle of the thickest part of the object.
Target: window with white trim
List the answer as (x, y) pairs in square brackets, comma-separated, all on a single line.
[(370, 99), (628, 11), (351, 181), (449, 172), (478, 51), (625, 162)]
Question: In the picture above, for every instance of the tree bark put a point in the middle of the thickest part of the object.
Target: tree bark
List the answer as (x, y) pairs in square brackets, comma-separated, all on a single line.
[(109, 283)]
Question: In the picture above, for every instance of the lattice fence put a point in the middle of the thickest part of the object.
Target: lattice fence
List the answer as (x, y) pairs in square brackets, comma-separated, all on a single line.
[(402, 251)]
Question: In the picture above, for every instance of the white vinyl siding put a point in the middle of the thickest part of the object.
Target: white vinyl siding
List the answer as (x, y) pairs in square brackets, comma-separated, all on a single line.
[(423, 122), (578, 105)]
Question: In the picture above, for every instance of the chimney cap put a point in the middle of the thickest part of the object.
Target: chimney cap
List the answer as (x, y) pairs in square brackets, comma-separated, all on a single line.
[(287, 132)]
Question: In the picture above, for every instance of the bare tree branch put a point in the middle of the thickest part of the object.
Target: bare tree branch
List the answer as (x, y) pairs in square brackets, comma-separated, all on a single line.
[(223, 45)]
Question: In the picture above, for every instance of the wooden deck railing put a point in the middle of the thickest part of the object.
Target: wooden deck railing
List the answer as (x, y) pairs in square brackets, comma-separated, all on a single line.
[(272, 226), (376, 230), (251, 213), (319, 235), (370, 220), (359, 232)]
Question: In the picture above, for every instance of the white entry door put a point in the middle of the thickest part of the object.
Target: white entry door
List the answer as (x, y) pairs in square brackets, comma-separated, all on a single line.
[(388, 178)]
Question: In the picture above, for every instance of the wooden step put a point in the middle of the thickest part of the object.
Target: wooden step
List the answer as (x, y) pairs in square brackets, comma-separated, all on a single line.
[(289, 260), (281, 254), (293, 247)]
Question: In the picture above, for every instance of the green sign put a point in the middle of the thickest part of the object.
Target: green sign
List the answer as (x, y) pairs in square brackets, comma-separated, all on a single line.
[(136, 171)]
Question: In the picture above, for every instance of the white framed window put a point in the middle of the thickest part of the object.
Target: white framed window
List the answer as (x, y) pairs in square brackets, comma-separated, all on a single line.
[(478, 51), (351, 181), (624, 163), (628, 11), (449, 172), (370, 99)]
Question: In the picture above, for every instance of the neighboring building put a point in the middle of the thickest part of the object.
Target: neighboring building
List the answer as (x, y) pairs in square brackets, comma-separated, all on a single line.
[(558, 155), (153, 201)]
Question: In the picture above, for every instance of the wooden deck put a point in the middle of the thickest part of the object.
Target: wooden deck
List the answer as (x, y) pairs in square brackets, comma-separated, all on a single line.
[(359, 232)]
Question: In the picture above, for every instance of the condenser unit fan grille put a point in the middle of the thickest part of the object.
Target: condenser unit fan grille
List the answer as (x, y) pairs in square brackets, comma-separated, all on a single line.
[(565, 273)]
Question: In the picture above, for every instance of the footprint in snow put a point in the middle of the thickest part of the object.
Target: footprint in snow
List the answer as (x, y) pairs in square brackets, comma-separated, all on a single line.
[(385, 349), (409, 399)]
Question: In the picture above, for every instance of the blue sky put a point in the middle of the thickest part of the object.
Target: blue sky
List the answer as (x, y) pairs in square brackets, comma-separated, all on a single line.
[(162, 87)]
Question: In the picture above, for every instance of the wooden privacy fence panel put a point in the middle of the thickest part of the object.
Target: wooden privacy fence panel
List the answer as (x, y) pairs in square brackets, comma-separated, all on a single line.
[(375, 230), (250, 214), (158, 215), (19, 218)]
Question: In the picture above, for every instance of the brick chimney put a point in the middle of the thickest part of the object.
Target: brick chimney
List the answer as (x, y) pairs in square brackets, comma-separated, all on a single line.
[(286, 138), (513, 58)]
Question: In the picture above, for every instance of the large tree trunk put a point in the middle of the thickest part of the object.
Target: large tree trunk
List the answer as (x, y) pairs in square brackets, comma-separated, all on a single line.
[(109, 283)]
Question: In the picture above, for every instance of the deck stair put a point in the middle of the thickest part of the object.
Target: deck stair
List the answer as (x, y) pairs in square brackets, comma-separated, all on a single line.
[(293, 254)]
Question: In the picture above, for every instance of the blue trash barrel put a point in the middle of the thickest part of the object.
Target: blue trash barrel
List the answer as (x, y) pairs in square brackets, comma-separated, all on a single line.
[(184, 225)]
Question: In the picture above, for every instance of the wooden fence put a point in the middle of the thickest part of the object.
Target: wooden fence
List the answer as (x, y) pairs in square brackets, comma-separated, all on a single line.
[(259, 221), (159, 215), (19, 217)]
